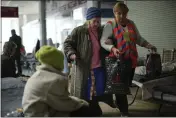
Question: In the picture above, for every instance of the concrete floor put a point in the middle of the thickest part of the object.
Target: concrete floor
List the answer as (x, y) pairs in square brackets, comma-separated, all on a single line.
[(139, 108)]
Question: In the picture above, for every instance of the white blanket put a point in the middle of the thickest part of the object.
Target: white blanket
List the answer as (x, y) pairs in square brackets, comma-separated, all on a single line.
[(166, 67)]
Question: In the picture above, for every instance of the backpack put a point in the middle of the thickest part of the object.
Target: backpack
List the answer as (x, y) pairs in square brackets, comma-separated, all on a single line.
[(153, 65)]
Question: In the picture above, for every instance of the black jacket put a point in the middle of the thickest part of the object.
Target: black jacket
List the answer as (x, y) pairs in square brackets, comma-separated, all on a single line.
[(17, 40)]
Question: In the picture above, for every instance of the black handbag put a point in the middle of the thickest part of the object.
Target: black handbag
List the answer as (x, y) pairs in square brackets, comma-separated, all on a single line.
[(117, 77), (153, 65)]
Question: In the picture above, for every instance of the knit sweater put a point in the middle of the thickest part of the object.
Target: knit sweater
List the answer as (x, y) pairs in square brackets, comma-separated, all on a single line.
[(107, 32), (95, 48)]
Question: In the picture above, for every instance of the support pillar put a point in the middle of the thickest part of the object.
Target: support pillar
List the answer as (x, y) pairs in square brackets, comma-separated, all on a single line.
[(42, 18)]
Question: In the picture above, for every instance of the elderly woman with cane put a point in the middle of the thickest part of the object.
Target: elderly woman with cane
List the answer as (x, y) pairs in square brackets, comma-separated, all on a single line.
[(125, 36), (83, 46)]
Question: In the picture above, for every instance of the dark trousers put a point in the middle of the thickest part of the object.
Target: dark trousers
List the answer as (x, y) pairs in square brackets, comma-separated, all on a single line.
[(93, 110), (95, 107), (84, 111), (18, 61), (121, 100), (131, 76), (122, 103)]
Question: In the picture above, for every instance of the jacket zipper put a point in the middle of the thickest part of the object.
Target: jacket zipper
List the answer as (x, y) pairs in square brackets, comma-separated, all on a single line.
[(90, 44)]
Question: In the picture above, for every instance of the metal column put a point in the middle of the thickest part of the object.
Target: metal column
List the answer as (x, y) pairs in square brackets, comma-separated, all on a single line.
[(42, 16)]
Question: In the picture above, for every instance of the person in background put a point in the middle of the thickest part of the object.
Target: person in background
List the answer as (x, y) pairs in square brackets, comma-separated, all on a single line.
[(23, 53), (17, 40), (22, 50), (125, 36), (36, 48), (46, 91), (50, 42), (66, 66), (57, 45), (66, 69), (7, 61)]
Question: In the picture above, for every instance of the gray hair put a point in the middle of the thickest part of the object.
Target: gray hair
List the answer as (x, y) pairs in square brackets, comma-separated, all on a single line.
[(8, 48)]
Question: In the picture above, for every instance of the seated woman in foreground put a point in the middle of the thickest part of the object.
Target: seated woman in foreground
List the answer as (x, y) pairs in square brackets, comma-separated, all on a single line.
[(7, 62), (46, 92)]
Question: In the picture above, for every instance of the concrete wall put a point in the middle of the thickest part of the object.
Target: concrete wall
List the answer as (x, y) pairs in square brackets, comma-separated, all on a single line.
[(155, 21)]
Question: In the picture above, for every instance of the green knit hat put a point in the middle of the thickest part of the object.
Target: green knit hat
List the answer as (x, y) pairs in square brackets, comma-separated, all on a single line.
[(51, 56)]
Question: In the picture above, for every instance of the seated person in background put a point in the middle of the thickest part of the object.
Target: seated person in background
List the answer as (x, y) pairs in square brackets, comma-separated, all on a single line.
[(46, 91), (23, 54), (66, 69), (50, 42), (7, 61)]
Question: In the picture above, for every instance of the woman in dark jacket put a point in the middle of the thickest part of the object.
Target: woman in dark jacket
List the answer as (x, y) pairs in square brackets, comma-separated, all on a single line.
[(7, 61), (87, 74)]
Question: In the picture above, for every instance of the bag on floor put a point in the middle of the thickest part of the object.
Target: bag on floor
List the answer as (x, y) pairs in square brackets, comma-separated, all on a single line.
[(153, 65)]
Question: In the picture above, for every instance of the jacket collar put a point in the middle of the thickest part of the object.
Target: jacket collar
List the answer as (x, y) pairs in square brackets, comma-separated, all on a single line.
[(49, 68), (85, 29)]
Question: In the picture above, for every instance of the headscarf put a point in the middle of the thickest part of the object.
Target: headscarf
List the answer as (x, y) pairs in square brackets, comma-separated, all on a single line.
[(51, 56), (93, 12)]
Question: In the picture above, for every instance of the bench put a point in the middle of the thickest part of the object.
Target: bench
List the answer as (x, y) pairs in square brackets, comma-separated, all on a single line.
[(164, 95)]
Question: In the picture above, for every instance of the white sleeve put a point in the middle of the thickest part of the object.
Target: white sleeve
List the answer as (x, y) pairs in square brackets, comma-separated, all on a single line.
[(107, 32)]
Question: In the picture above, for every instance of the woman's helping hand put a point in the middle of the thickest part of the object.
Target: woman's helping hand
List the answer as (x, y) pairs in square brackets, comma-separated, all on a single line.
[(116, 52), (153, 48)]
